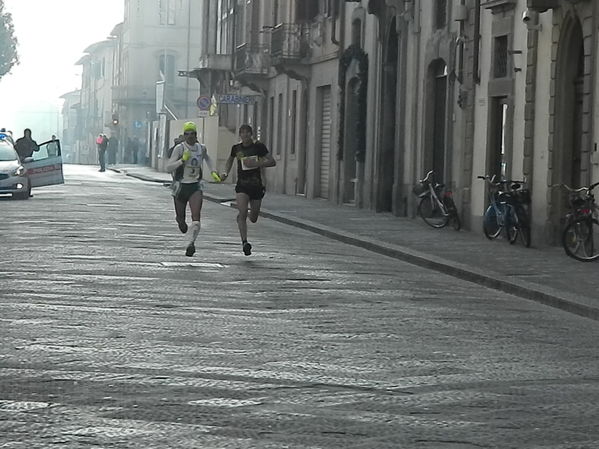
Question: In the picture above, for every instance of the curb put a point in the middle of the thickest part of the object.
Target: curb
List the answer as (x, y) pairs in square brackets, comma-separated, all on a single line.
[(142, 177), (544, 295), (572, 303)]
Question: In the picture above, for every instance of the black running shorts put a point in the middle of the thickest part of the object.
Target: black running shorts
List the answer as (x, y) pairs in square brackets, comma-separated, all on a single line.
[(255, 192), (186, 190)]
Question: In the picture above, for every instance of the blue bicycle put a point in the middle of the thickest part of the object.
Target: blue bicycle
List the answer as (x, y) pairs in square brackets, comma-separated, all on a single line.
[(507, 211)]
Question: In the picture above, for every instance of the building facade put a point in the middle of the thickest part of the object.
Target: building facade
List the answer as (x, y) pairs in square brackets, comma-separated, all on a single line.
[(155, 41), (95, 106), (359, 99), (71, 128)]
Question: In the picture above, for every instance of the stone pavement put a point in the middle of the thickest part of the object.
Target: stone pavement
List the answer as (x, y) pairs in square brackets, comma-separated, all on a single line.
[(545, 275)]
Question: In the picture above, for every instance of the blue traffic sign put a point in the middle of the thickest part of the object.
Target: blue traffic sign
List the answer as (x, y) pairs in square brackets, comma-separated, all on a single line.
[(204, 103)]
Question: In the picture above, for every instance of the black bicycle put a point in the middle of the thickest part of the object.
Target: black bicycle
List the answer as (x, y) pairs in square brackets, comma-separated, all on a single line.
[(436, 206), (581, 230)]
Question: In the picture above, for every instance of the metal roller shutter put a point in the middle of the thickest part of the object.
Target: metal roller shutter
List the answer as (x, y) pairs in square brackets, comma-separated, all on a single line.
[(325, 140)]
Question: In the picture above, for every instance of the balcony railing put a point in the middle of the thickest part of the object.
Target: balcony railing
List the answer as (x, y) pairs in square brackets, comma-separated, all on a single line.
[(252, 59), (289, 41)]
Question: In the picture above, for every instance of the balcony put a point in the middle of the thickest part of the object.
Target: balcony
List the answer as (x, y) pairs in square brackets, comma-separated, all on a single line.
[(499, 6), (252, 60), (214, 62), (289, 43)]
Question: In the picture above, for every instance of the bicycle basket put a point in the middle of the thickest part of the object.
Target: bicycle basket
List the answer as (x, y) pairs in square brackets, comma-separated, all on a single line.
[(577, 201), (420, 189)]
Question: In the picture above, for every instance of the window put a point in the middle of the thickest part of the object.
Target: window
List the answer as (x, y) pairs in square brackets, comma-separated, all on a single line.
[(97, 70), (276, 12), (500, 59), (441, 14), (280, 127), (307, 10), (271, 121), (500, 152), (168, 12), (224, 27), (293, 117), (356, 32), (166, 67)]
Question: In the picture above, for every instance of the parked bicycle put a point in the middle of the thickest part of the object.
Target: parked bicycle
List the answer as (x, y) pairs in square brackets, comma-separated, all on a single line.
[(436, 206), (580, 237), (507, 210)]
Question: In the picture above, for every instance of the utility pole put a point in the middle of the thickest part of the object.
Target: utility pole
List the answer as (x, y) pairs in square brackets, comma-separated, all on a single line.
[(188, 57)]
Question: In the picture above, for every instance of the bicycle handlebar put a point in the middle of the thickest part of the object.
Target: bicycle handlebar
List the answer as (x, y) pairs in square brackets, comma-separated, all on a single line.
[(573, 190), (426, 178), (500, 182)]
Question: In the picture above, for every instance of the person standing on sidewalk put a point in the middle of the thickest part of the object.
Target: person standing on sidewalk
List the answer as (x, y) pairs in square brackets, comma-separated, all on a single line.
[(251, 157), (185, 163), (102, 143), (113, 148)]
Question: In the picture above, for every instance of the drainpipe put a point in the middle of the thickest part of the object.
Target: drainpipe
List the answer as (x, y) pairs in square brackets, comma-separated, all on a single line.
[(532, 58), (415, 99), (593, 143), (334, 39), (476, 43), (188, 58)]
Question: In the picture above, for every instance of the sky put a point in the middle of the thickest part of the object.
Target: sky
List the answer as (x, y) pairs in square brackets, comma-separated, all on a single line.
[(52, 35)]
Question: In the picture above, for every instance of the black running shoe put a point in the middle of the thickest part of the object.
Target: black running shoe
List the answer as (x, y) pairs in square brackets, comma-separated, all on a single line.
[(247, 249), (190, 251), (182, 226)]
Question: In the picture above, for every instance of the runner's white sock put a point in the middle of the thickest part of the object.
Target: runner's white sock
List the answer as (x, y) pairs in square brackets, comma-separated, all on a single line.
[(194, 230)]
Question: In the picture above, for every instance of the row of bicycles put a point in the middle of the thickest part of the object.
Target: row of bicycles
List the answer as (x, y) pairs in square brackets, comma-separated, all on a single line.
[(508, 213)]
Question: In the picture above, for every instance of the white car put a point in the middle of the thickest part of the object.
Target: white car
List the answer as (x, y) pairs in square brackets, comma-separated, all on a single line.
[(42, 169)]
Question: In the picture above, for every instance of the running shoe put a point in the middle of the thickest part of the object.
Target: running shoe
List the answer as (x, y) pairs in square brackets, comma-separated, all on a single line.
[(182, 226), (191, 249), (247, 249)]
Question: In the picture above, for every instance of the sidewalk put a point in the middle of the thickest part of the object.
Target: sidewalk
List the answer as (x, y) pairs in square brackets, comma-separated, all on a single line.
[(544, 275)]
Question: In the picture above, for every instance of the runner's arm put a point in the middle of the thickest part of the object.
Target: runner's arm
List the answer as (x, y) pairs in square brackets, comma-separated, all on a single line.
[(207, 159), (175, 161), (228, 166), (267, 161)]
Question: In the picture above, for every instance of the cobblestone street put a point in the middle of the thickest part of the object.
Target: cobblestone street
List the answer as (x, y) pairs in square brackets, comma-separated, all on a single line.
[(112, 338)]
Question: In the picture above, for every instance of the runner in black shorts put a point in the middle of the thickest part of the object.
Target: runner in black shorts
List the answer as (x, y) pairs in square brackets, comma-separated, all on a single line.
[(185, 163), (251, 158)]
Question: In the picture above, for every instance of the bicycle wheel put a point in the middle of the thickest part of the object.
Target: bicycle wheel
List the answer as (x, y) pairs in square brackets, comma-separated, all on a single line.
[(524, 226), (432, 212), (452, 212), (492, 221), (511, 224), (579, 237)]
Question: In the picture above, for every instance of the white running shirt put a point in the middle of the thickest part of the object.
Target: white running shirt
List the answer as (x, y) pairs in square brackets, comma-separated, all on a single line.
[(192, 170)]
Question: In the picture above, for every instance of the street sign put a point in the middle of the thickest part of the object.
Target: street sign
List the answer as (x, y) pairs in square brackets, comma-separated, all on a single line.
[(203, 114), (203, 103), (236, 99)]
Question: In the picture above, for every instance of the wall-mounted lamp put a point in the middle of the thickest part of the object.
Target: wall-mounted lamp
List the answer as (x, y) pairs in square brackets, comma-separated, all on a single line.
[(460, 13), (530, 18)]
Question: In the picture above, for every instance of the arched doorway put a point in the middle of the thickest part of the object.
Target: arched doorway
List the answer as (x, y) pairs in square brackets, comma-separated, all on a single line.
[(436, 118), (353, 81), (389, 120), (352, 139), (568, 165)]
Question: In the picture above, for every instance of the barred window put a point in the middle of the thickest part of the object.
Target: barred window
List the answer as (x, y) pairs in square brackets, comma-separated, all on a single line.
[(500, 59)]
